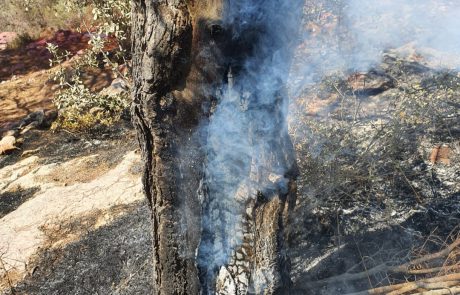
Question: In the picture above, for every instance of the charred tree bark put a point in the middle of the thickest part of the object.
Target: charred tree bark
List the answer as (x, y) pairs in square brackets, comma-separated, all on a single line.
[(162, 40), (182, 53)]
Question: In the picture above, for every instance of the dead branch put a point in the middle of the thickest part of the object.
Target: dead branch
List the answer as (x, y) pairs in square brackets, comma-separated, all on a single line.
[(388, 268), (433, 270), (410, 285), (443, 253), (446, 291)]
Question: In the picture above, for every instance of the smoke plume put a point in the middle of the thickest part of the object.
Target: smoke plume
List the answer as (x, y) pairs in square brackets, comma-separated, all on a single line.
[(246, 124), (382, 25), (359, 32), (251, 107)]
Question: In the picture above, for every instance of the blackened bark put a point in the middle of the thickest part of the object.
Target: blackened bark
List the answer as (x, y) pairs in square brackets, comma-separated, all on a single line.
[(181, 55), (162, 40)]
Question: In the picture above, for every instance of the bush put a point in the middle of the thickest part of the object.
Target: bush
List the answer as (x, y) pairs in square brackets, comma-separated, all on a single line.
[(79, 107), (81, 110)]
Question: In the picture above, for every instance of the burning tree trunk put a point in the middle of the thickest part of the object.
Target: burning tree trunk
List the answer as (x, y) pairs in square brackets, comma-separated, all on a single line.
[(210, 107)]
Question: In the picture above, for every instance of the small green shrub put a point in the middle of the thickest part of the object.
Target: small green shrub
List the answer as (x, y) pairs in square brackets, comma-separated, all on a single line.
[(81, 110), (79, 107)]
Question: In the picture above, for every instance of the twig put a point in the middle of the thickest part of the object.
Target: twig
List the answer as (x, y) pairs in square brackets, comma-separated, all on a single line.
[(364, 265), (417, 196)]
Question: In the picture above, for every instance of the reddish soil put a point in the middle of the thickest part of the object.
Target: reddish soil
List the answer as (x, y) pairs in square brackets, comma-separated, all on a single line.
[(24, 95), (35, 56), (25, 86)]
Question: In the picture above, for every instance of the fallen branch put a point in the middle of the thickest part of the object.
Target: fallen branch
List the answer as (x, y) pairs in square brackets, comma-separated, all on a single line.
[(447, 291), (412, 286), (454, 278), (387, 268), (443, 253), (434, 269)]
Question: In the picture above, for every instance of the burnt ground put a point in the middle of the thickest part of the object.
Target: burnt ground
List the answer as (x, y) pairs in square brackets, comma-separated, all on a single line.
[(60, 146), (114, 259), (10, 201), (389, 203), (115, 256), (430, 229)]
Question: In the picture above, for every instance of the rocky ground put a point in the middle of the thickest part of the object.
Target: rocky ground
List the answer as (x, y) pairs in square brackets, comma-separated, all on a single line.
[(55, 191), (72, 214)]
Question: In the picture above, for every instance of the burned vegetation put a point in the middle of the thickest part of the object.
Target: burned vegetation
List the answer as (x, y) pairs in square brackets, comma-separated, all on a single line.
[(378, 188)]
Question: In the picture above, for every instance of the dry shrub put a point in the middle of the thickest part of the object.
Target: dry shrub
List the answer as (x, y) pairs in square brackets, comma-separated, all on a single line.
[(75, 120), (344, 157)]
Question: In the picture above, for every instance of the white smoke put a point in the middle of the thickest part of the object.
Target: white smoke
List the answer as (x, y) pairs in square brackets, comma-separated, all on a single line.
[(265, 31), (355, 36), (248, 119), (381, 25)]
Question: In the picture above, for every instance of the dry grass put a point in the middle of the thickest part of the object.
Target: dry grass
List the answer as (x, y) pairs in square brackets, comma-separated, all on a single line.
[(20, 41), (39, 15)]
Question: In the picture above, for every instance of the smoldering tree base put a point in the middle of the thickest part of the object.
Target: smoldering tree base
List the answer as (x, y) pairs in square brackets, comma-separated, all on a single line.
[(198, 68)]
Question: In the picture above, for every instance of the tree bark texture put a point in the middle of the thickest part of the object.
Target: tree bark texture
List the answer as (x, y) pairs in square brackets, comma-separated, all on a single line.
[(216, 228)]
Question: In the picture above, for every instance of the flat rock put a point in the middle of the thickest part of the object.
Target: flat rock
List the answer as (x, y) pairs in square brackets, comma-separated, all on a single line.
[(49, 203), (7, 144)]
